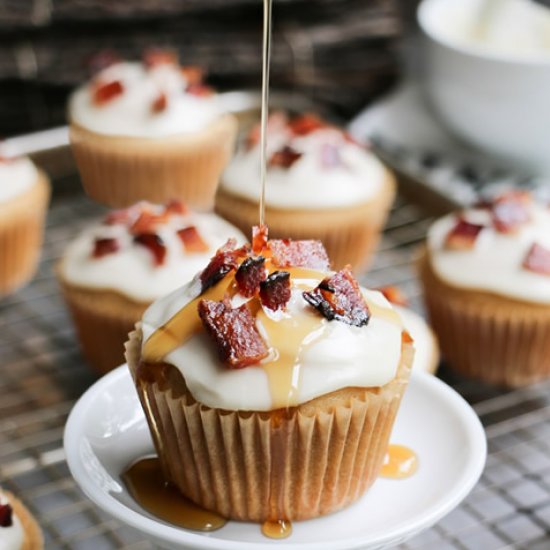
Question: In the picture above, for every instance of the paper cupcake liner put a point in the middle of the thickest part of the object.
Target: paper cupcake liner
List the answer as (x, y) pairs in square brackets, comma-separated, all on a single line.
[(489, 337), (21, 235), (102, 320), (119, 171), (350, 234), (33, 535), (255, 466)]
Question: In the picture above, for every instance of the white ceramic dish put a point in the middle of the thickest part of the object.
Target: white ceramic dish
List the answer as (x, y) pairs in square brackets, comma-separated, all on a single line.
[(106, 431)]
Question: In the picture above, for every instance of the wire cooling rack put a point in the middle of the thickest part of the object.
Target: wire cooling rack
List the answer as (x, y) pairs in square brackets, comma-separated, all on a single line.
[(42, 374)]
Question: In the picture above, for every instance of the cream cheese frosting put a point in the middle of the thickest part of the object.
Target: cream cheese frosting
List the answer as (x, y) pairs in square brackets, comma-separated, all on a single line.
[(131, 270), (130, 113), (17, 175), (12, 537), (331, 172), (331, 356), (495, 263)]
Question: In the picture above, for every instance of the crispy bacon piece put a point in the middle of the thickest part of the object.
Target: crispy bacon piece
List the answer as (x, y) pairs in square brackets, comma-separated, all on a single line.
[(330, 156), (199, 90), (275, 290), (160, 103), (176, 207), (250, 275), (339, 298), (154, 244), (192, 240), (285, 157), (104, 92), (538, 259), (306, 124), (6, 515), (225, 259), (103, 247), (234, 332), (148, 221), (406, 337), (463, 235), (307, 253), (192, 74), (510, 211), (157, 56), (259, 238), (394, 295)]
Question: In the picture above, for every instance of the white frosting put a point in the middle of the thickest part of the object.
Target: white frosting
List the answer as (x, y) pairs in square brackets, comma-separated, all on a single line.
[(11, 538), (335, 356), (307, 183), (495, 262), (130, 114), (16, 176), (131, 270)]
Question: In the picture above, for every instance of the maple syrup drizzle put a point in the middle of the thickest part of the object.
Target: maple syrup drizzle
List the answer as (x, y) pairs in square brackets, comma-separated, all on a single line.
[(280, 529), (146, 483), (400, 462)]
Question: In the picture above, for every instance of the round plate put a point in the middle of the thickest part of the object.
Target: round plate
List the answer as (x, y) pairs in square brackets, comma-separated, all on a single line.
[(106, 431)]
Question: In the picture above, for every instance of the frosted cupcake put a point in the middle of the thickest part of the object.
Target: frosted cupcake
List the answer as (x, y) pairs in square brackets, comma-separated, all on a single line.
[(273, 380), (24, 196), (321, 184), (112, 271), (150, 131), (18, 529), (486, 277)]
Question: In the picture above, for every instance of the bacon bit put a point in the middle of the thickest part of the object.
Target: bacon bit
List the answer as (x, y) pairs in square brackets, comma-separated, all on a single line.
[(259, 238), (339, 298), (275, 290), (191, 239), (220, 264), (199, 90), (157, 56), (104, 92), (394, 295), (176, 207), (285, 157), (147, 221), (192, 74), (250, 275), (330, 156), (154, 243), (406, 338), (306, 124), (510, 211), (234, 332), (538, 259), (6, 513), (160, 103), (463, 235), (103, 247), (101, 60), (307, 253)]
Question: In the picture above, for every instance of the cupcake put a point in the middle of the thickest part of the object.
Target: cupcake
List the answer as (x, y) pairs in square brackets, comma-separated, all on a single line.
[(271, 383), (486, 278), (18, 528), (150, 130), (321, 184), (112, 271), (24, 196)]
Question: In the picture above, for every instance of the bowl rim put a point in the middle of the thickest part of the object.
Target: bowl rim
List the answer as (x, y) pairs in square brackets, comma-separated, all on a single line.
[(471, 50)]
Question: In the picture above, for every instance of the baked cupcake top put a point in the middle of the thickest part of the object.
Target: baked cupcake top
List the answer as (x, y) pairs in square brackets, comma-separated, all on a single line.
[(501, 246), (154, 98), (11, 530), (17, 175), (311, 164), (271, 327), (145, 251)]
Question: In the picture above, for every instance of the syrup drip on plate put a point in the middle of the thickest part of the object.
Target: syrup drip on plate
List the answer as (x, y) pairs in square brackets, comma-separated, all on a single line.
[(280, 529), (400, 462)]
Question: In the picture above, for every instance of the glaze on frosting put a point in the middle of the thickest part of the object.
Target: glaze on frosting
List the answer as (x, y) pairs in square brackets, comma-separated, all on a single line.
[(16, 176), (11, 538), (131, 114)]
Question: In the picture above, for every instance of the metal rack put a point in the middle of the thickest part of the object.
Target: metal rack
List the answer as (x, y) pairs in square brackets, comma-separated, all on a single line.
[(42, 374)]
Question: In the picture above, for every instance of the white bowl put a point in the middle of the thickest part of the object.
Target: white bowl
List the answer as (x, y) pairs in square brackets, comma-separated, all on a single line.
[(497, 102)]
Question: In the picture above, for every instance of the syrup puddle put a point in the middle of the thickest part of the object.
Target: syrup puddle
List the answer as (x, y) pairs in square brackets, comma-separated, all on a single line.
[(400, 462), (280, 529)]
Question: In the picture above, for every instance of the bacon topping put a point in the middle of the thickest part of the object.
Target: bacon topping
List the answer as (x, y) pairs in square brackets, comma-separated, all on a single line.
[(306, 253), (234, 332), (250, 275), (394, 295), (306, 124), (259, 238), (160, 103), (154, 244), (192, 74), (510, 211), (148, 221), (192, 240), (199, 90), (157, 56), (176, 207), (103, 247), (463, 235), (104, 92), (285, 157), (339, 298), (6, 513), (538, 259), (220, 264), (275, 290)]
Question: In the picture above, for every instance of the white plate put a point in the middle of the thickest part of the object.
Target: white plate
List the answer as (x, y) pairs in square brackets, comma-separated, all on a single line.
[(106, 431)]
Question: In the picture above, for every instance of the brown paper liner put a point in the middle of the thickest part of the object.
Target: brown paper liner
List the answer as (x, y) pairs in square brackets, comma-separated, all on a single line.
[(490, 337), (102, 319), (120, 171), (350, 234), (21, 235), (308, 461), (33, 535)]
